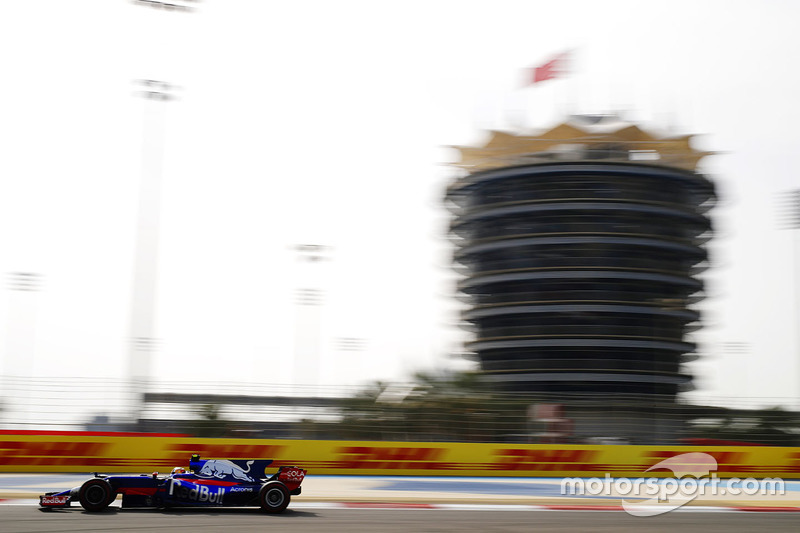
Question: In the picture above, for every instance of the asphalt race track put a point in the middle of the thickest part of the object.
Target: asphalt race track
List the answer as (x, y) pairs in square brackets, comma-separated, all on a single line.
[(355, 504), (29, 519)]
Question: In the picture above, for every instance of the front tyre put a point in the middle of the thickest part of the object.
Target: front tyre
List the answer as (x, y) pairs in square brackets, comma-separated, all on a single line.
[(274, 497), (95, 495)]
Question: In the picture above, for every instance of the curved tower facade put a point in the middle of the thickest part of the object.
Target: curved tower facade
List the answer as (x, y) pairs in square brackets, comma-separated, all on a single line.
[(579, 250)]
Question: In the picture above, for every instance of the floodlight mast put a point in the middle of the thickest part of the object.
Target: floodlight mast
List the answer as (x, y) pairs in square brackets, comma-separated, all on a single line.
[(790, 219), (142, 341)]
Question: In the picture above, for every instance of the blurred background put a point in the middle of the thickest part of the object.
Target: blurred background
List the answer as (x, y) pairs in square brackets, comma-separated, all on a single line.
[(231, 218)]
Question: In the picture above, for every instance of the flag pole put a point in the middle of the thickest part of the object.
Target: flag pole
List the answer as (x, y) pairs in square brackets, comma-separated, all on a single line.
[(556, 67)]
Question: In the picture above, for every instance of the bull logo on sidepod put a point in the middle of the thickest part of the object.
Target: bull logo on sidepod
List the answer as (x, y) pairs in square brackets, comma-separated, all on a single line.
[(220, 468)]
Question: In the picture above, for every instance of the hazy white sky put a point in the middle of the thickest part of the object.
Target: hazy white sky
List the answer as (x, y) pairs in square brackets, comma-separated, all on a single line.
[(325, 123)]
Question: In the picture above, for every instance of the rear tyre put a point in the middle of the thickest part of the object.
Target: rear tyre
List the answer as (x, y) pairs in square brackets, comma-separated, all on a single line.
[(95, 495), (274, 497)]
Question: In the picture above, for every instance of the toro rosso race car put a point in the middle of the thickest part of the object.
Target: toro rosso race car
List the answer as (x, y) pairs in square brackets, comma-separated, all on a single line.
[(208, 483)]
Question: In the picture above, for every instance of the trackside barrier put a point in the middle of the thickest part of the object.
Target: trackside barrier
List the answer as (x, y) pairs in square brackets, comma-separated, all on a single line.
[(88, 452)]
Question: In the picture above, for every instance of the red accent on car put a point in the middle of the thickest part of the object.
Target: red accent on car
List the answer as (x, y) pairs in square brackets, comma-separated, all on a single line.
[(46, 501), (291, 476), (215, 482), (137, 491)]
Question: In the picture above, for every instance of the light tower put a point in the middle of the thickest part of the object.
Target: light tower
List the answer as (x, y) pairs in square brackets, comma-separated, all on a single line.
[(20, 344), (310, 298), (142, 342), (142, 339)]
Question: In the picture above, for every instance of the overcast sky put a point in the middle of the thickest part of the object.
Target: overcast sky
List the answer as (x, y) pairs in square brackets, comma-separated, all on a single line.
[(326, 123)]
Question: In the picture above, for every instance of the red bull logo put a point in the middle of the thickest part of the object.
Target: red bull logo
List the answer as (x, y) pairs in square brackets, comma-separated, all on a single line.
[(184, 490), (53, 500)]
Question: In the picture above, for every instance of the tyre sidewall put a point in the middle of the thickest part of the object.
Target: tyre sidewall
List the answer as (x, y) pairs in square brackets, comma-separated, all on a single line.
[(267, 497), (89, 492)]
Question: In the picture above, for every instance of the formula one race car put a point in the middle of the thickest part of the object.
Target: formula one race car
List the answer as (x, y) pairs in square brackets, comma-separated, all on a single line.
[(209, 482)]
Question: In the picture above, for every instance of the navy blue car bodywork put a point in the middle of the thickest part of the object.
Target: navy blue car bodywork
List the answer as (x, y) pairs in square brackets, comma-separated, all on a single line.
[(209, 482)]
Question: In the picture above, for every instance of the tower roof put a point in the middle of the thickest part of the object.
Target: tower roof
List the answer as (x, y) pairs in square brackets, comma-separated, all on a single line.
[(582, 138)]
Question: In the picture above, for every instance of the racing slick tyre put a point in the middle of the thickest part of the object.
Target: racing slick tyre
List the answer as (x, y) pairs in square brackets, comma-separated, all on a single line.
[(274, 497), (95, 495)]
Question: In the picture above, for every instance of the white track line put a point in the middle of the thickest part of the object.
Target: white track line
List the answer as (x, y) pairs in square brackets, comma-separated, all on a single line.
[(388, 506)]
